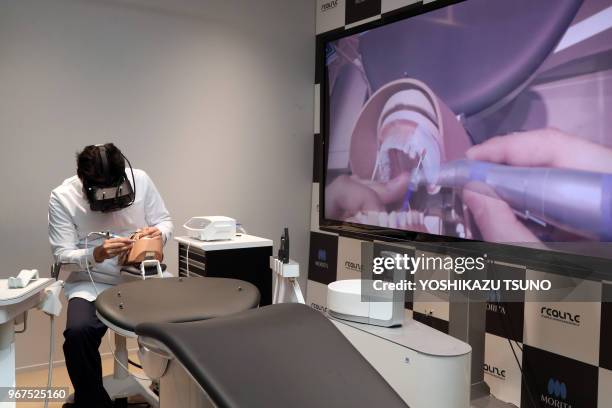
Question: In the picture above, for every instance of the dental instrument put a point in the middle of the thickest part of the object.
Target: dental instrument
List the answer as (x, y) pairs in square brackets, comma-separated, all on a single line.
[(573, 200)]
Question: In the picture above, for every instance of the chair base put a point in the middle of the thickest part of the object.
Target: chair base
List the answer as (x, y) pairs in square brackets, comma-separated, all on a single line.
[(125, 388), (131, 386)]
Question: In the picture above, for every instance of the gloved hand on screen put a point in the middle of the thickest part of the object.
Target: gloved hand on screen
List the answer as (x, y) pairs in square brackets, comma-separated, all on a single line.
[(348, 195)]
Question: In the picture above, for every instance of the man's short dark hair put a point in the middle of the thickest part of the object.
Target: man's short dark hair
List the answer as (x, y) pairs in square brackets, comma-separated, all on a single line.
[(90, 169)]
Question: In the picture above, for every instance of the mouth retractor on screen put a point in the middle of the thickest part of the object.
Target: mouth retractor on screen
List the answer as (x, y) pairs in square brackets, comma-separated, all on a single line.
[(408, 139)]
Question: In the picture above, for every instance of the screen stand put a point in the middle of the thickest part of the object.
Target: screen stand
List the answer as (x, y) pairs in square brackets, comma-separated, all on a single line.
[(467, 322)]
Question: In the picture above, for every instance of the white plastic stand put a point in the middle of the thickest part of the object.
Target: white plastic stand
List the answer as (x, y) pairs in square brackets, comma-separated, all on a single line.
[(13, 304), (286, 286), (150, 262), (123, 385)]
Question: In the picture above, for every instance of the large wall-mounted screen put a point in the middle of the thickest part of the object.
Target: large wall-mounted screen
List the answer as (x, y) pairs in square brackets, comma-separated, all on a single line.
[(484, 120)]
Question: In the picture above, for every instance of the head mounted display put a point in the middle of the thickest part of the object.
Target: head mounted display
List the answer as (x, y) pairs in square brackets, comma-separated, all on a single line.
[(112, 195)]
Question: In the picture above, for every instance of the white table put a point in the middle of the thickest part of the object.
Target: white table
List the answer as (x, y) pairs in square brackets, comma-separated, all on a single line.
[(13, 303), (238, 242), (426, 367)]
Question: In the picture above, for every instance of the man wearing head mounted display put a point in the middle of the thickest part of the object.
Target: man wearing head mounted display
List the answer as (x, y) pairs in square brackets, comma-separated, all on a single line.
[(104, 196)]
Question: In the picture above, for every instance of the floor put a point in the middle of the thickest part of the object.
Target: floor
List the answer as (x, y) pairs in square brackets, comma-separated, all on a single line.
[(490, 402), (38, 378)]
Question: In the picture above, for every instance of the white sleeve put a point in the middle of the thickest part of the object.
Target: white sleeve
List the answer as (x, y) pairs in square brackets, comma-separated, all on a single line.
[(156, 214), (63, 236)]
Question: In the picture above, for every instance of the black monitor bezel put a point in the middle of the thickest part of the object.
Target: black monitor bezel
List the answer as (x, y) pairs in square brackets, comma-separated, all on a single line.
[(571, 264)]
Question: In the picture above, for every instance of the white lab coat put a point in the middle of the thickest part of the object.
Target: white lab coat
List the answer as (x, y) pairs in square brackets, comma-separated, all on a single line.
[(71, 219)]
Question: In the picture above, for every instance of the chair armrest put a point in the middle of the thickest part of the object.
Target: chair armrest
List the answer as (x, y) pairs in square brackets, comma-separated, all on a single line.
[(56, 268)]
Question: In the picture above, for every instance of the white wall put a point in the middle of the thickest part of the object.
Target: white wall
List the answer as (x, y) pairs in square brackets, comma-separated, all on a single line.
[(212, 97)]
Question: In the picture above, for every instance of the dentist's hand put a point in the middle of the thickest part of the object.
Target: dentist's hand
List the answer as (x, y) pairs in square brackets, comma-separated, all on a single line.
[(111, 248), (548, 147), (538, 148), (150, 232), (494, 217)]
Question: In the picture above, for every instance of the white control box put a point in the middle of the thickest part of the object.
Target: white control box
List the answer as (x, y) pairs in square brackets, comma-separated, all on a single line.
[(211, 228)]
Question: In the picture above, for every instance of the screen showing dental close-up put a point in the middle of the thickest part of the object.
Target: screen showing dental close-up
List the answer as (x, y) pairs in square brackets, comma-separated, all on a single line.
[(481, 120)]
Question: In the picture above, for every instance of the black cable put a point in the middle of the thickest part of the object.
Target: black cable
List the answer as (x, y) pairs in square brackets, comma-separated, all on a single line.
[(511, 333), (517, 344), (523, 376), (133, 179), (505, 323), (134, 364)]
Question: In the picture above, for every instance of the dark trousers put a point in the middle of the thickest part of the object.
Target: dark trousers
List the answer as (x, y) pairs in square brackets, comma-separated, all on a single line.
[(82, 338)]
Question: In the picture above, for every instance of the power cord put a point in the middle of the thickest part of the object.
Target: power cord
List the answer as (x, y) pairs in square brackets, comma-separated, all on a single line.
[(187, 259), (523, 376), (134, 364), (505, 323), (239, 227)]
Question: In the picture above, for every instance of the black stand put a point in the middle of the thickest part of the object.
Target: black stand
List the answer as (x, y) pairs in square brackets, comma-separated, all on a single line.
[(247, 264)]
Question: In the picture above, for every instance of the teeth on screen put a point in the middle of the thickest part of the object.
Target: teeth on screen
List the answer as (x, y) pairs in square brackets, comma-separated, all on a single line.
[(460, 229), (383, 218), (393, 219), (399, 219), (408, 220), (372, 218)]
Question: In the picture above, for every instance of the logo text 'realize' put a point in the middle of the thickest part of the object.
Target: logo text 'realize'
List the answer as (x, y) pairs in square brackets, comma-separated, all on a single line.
[(353, 266), (495, 371), (329, 5), (560, 316)]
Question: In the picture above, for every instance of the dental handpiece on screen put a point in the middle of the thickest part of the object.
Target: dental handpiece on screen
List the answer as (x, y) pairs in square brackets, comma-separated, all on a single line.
[(572, 200)]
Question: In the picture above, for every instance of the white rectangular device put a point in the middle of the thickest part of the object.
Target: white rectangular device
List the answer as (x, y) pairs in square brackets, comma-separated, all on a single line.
[(344, 301), (211, 228)]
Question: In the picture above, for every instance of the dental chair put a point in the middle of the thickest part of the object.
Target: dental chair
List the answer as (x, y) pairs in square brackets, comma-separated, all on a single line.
[(284, 355), (169, 300), (120, 385)]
